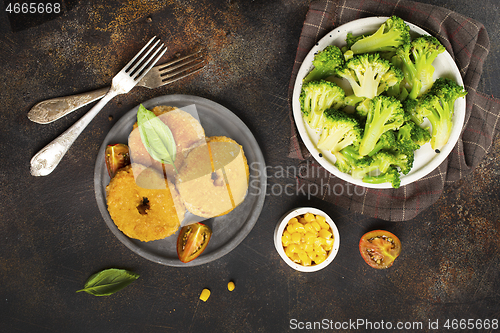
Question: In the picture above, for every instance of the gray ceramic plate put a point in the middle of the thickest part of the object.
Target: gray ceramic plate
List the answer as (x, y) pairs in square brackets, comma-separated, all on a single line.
[(228, 230)]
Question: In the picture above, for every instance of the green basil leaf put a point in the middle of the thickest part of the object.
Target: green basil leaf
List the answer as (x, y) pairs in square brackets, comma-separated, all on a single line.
[(108, 281), (156, 136)]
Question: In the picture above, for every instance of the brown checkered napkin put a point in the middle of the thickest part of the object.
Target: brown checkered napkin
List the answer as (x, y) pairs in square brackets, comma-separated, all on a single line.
[(468, 43)]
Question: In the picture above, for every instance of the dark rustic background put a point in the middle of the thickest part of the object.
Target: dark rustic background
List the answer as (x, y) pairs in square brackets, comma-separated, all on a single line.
[(53, 236)]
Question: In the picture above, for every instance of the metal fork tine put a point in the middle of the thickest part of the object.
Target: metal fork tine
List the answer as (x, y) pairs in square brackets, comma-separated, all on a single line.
[(181, 76), (168, 69), (182, 69), (143, 60), (168, 65), (131, 62), (150, 63)]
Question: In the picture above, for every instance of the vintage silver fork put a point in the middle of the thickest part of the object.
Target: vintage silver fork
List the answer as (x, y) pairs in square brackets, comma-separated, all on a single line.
[(52, 109), (46, 160)]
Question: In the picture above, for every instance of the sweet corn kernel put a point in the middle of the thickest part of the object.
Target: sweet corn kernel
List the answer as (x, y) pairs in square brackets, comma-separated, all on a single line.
[(293, 220), (292, 228), (309, 217), (302, 220), (306, 261), (319, 259), (316, 225), (309, 237), (319, 242), (328, 244), (319, 250), (323, 233), (286, 238), (308, 247), (230, 286), (322, 222), (308, 227), (296, 237), (293, 248), (205, 294), (303, 255)]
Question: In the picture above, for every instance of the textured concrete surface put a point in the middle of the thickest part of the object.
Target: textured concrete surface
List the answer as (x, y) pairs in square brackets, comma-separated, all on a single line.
[(53, 236)]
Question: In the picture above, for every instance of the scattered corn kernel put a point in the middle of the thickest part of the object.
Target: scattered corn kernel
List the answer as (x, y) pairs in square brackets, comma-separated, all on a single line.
[(307, 239), (205, 294), (230, 286)]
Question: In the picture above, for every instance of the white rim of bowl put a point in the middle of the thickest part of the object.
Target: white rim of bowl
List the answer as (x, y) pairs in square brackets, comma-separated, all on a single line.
[(280, 227)]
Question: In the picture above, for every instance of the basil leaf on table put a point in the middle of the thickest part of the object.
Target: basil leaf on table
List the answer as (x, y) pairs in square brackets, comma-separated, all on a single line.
[(108, 281), (156, 136)]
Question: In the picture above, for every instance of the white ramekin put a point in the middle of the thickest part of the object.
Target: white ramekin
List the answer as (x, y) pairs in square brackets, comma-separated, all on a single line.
[(280, 227)]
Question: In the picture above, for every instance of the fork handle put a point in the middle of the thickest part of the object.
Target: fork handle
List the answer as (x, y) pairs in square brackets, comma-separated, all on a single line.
[(52, 109), (47, 159)]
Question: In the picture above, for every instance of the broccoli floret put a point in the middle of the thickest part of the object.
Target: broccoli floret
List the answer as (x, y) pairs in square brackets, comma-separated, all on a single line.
[(369, 75), (403, 159), (316, 97), (409, 106), (412, 136), (420, 135), (387, 141), (379, 163), (391, 176), (348, 158), (438, 106), (398, 90), (393, 33), (348, 54), (325, 62), (339, 131), (417, 58), (384, 113), (363, 107), (350, 39), (404, 138), (371, 169), (353, 100)]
